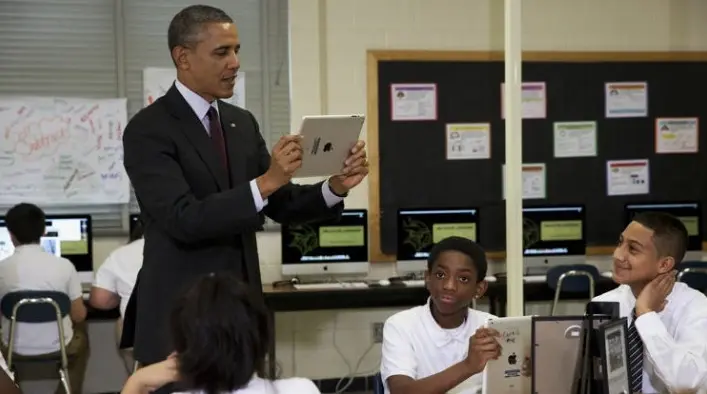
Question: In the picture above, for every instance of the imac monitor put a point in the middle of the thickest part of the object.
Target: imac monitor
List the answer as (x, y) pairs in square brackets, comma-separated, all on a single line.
[(690, 213), (553, 235), (420, 229), (332, 247), (68, 236)]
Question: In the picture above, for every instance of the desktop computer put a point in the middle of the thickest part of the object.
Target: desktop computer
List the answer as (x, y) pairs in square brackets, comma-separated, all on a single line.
[(420, 229), (68, 236), (327, 248), (690, 213), (552, 236)]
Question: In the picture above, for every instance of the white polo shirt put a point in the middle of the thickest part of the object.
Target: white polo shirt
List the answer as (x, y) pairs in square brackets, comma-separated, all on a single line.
[(415, 345), (282, 386), (119, 272), (31, 268)]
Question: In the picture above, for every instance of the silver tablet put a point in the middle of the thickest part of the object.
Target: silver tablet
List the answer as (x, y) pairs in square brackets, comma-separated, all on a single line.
[(327, 141)]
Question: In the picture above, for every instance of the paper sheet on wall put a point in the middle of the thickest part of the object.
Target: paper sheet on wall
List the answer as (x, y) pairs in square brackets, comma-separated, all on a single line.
[(157, 81), (468, 141), (62, 151), (575, 139), (533, 100), (626, 99), (676, 135), (413, 101), (624, 177), (533, 175)]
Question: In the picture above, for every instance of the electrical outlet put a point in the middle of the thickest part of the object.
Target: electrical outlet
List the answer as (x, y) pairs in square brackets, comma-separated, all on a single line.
[(377, 329)]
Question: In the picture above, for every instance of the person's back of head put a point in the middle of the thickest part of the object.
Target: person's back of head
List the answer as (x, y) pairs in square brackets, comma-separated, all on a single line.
[(138, 231), (220, 330), (25, 223)]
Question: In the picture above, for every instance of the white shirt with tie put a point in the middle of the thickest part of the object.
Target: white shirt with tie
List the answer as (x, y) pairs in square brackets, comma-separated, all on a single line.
[(201, 109), (674, 340)]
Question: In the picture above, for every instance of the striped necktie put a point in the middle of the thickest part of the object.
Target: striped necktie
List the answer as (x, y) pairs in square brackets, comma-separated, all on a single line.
[(635, 356)]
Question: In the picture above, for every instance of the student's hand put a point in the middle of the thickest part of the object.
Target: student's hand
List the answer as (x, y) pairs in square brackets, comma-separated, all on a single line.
[(483, 347), (152, 377), (653, 297), (355, 168)]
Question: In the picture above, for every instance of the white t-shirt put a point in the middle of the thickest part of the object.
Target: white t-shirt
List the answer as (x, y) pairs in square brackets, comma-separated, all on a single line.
[(415, 345), (119, 272), (283, 386), (31, 268)]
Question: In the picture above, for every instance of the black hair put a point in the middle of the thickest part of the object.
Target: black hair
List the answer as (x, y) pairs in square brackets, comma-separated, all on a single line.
[(186, 25), (669, 233), (26, 222), (462, 245), (221, 332), (138, 231)]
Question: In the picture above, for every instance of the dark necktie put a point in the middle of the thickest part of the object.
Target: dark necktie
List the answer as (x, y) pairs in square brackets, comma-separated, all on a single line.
[(217, 137), (635, 356)]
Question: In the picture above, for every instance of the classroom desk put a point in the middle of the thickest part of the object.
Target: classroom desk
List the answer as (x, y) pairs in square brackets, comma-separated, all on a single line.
[(287, 299)]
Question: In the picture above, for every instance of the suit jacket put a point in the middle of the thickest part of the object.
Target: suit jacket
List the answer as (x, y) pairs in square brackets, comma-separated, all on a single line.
[(195, 222)]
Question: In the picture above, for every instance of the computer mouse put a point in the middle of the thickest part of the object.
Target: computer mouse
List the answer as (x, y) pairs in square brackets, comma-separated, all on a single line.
[(384, 282)]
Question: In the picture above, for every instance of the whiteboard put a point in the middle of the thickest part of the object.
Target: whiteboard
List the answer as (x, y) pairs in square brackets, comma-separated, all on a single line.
[(157, 81), (62, 151)]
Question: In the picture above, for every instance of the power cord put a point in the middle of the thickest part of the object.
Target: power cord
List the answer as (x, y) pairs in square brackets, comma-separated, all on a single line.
[(353, 372)]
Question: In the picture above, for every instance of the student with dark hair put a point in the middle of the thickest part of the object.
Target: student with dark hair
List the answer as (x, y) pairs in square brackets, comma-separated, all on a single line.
[(31, 268), (220, 332), (442, 345), (667, 320), (115, 280)]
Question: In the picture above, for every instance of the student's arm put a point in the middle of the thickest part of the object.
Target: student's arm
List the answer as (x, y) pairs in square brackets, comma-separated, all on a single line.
[(681, 361), (104, 292), (398, 365), (78, 309)]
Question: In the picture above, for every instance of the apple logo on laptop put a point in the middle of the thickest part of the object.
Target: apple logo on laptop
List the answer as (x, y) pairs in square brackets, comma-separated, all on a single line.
[(512, 359), (328, 147)]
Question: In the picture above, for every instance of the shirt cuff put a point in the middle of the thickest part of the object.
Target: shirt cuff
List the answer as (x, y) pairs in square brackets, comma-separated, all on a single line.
[(330, 198), (257, 198), (649, 325)]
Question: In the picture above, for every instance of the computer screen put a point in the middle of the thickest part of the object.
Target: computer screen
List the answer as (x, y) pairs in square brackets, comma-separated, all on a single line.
[(419, 229), (68, 236), (554, 231), (330, 247), (690, 213)]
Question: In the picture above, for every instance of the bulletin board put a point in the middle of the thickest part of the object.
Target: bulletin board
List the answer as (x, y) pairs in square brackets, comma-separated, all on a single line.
[(416, 171)]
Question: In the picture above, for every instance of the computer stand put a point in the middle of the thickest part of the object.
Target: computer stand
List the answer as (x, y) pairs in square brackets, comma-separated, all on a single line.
[(591, 375)]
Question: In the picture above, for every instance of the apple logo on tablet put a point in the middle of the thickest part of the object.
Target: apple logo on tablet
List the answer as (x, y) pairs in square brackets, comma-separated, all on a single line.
[(328, 147)]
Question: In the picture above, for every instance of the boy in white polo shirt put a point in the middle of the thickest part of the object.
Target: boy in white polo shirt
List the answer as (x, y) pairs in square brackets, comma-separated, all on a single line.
[(442, 346), (667, 332), (31, 268)]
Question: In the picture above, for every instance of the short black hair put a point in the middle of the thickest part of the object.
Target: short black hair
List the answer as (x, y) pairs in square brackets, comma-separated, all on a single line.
[(669, 233), (187, 24), (221, 332), (462, 245), (26, 222)]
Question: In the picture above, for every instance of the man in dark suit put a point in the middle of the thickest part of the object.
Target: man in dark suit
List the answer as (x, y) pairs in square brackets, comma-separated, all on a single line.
[(204, 178)]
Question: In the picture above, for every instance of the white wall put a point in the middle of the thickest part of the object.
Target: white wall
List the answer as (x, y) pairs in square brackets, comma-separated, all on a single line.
[(329, 39)]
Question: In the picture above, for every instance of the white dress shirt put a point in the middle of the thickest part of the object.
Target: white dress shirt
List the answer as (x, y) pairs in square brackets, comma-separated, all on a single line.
[(281, 386), (119, 272), (415, 345), (674, 340), (201, 109)]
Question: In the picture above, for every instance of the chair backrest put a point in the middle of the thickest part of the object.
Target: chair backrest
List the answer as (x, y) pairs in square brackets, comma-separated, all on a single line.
[(572, 284), (35, 306), (378, 384), (695, 277)]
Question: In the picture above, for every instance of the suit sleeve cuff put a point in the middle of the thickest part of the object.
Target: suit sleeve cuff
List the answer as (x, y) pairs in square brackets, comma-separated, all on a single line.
[(257, 198), (330, 198)]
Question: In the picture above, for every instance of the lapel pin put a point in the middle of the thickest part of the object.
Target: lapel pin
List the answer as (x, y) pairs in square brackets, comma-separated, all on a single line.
[(233, 125)]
